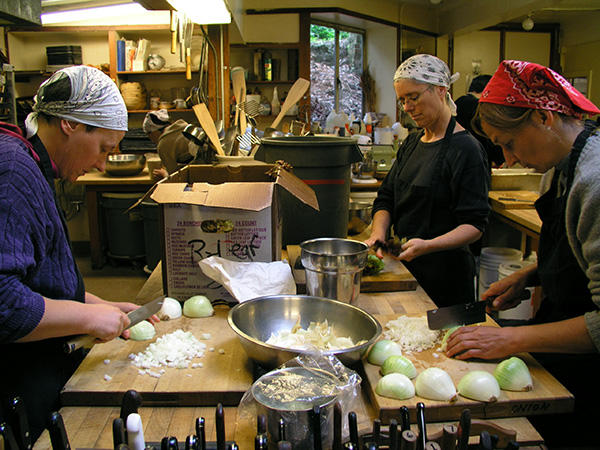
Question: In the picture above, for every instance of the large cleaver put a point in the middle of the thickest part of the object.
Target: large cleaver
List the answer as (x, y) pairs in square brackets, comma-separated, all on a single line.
[(464, 314), (135, 316)]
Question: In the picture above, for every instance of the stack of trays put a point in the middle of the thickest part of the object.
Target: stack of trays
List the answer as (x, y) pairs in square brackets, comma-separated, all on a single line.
[(63, 56)]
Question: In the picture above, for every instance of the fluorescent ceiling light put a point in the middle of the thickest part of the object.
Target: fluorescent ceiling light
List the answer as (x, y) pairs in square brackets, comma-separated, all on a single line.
[(105, 12), (203, 12)]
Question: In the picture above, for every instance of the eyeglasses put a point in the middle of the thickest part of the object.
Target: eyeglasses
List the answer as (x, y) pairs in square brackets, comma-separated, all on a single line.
[(411, 100)]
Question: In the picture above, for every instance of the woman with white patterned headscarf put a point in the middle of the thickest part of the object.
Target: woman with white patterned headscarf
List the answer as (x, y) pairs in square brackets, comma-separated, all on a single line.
[(436, 193), (79, 117)]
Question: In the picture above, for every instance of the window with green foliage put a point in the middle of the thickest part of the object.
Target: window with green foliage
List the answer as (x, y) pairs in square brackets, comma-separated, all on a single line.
[(336, 65)]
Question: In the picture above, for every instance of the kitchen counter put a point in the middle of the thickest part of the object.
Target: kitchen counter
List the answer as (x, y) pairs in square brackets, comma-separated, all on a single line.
[(96, 183), (91, 426)]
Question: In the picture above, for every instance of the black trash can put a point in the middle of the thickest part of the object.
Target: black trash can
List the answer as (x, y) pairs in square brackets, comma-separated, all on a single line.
[(324, 164), (125, 230)]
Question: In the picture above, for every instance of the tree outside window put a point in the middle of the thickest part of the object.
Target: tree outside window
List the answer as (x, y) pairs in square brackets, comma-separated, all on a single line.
[(336, 65)]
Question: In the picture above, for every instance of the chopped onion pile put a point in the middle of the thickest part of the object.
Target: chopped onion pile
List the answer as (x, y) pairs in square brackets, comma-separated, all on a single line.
[(412, 333), (176, 349), (318, 335)]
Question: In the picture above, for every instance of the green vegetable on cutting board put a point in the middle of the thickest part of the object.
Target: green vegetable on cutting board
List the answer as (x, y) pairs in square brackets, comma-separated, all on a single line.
[(374, 266)]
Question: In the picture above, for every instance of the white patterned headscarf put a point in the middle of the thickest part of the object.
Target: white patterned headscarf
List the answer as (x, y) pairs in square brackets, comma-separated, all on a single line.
[(431, 70), (95, 100)]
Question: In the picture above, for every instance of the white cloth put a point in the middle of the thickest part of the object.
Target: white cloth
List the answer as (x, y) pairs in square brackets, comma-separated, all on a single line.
[(431, 70), (248, 280), (161, 120), (95, 100)]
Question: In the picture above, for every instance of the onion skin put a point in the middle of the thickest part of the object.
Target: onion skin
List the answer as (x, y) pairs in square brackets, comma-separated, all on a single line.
[(513, 374), (479, 385)]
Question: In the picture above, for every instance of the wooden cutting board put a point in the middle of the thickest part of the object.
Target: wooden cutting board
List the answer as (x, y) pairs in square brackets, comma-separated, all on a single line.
[(224, 378), (395, 276), (513, 199), (548, 395)]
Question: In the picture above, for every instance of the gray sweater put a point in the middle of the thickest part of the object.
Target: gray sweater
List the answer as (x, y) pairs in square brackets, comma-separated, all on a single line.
[(583, 223)]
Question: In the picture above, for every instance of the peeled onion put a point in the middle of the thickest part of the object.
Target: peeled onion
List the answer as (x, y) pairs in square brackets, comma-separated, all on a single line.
[(479, 385), (382, 350), (142, 331), (435, 384), (399, 364), (513, 374), (198, 306), (171, 309), (395, 385)]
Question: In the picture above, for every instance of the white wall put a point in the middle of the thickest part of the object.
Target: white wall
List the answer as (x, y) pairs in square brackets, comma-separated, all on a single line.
[(380, 56)]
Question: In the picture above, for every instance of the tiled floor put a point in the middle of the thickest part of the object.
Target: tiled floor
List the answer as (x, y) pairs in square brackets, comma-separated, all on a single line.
[(115, 282)]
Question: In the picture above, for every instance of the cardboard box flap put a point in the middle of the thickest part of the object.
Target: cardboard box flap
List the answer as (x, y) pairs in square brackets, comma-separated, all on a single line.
[(246, 196), (297, 188)]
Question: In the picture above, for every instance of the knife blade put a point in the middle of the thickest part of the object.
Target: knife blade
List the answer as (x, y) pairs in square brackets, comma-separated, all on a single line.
[(456, 315), (135, 317)]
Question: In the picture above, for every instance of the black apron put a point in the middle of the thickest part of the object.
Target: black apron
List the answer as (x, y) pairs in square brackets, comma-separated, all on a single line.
[(447, 276), (37, 371), (565, 287)]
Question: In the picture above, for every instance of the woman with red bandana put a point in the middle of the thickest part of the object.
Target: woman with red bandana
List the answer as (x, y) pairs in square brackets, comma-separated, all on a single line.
[(536, 116)]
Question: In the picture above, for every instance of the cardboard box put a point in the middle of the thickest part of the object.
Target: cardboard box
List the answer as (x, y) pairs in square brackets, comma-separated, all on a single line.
[(232, 212)]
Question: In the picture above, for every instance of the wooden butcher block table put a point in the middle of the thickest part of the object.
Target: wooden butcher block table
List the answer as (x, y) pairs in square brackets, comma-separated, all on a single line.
[(225, 376), (548, 396), (184, 398)]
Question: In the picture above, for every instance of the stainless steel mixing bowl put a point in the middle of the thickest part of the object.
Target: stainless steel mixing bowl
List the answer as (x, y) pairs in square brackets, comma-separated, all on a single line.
[(124, 164), (254, 321)]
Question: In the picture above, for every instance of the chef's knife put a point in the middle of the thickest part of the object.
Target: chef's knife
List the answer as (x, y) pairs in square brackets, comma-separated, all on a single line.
[(464, 314), (422, 439), (135, 317), (118, 429), (130, 403)]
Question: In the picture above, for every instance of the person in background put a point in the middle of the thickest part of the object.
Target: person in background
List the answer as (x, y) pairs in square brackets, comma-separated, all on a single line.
[(79, 117), (536, 116), (465, 111), (172, 146), (436, 193)]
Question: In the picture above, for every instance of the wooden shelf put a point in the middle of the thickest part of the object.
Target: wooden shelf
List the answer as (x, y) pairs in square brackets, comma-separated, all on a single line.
[(154, 72), (172, 110)]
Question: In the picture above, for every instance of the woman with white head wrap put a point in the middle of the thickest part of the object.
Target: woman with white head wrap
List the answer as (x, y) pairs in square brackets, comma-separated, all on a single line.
[(79, 117), (436, 194)]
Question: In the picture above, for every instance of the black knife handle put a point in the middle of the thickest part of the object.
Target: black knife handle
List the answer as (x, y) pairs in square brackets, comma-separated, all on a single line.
[(169, 443), (464, 430), (20, 425), (316, 423), (118, 429), (449, 433), (353, 426), (200, 433), (281, 430), (376, 431), (404, 418), (191, 442), (261, 424), (130, 403), (337, 427), (408, 440), (261, 442), (10, 443), (58, 434), (422, 426), (220, 428), (393, 432)]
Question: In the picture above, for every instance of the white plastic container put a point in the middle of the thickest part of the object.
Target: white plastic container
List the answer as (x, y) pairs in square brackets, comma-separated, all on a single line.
[(525, 310), (490, 259)]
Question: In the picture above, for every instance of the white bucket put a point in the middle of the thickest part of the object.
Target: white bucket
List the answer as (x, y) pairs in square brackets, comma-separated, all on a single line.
[(363, 196), (525, 310), (490, 259)]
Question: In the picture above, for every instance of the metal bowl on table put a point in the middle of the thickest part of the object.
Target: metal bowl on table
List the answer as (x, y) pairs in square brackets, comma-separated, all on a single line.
[(359, 217), (254, 321), (124, 164)]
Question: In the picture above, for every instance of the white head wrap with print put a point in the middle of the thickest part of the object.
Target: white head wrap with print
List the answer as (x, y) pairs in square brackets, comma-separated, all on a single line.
[(156, 120), (95, 100), (431, 70)]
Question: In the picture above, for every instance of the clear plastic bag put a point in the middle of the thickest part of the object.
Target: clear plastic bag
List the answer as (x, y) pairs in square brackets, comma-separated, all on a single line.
[(290, 392)]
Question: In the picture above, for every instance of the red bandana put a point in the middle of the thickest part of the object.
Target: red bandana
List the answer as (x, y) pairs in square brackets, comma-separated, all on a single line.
[(529, 85)]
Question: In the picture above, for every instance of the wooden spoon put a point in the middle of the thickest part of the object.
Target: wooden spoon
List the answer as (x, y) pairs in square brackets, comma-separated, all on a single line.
[(207, 124), (294, 95)]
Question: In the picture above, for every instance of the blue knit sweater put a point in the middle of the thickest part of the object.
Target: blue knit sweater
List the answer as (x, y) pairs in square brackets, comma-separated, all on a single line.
[(35, 256)]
